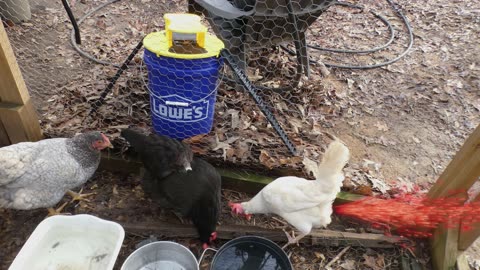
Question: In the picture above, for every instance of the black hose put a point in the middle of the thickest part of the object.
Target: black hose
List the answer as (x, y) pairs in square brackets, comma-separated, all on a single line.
[(391, 61), (76, 30), (409, 47), (80, 51), (299, 69), (383, 19)]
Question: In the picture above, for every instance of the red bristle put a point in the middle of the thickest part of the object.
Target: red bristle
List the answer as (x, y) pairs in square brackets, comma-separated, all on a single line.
[(413, 215)]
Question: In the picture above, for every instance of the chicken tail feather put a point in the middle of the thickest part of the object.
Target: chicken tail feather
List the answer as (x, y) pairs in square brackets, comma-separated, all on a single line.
[(335, 158)]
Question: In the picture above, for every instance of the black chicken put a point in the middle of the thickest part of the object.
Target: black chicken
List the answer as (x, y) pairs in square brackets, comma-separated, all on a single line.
[(177, 180)]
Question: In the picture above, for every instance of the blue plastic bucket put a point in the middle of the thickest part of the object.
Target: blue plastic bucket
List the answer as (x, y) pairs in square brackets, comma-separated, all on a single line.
[(182, 94)]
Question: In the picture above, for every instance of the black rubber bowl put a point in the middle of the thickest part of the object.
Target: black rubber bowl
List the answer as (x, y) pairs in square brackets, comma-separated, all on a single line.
[(251, 253)]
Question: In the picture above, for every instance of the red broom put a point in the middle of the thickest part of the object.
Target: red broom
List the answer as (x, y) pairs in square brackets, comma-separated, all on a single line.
[(413, 215)]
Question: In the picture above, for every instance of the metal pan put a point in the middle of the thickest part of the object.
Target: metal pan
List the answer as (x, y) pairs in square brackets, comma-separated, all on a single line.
[(164, 255)]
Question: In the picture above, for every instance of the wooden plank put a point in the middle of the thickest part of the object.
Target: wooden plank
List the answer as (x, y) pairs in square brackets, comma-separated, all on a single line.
[(444, 248), (459, 176), (9, 115), (12, 86), (20, 122), (231, 179), (463, 170), (4, 140), (118, 164), (462, 263), (317, 237), (466, 238), (243, 181)]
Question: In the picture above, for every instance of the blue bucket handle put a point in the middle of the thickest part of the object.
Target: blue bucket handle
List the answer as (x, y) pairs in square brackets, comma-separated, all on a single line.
[(186, 104)]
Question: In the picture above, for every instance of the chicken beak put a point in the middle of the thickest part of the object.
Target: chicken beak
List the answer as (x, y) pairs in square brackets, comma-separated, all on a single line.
[(107, 142)]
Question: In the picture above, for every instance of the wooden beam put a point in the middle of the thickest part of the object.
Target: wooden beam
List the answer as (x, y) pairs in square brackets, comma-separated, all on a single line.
[(17, 114), (4, 140), (458, 177), (12, 86), (227, 232), (444, 248), (20, 122), (467, 237), (462, 263), (463, 170), (231, 179)]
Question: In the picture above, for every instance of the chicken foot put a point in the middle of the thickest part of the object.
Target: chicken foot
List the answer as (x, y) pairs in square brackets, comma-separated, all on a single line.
[(292, 239), (75, 197), (79, 196), (58, 211)]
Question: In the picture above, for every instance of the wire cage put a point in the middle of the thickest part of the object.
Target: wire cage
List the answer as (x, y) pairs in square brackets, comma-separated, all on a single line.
[(68, 72), (245, 25)]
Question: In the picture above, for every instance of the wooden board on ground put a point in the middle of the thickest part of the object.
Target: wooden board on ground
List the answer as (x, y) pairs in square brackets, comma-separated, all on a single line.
[(239, 181), (227, 232)]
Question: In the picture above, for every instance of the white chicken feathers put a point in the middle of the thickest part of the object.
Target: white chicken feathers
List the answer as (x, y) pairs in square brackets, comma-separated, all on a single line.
[(38, 174), (305, 204)]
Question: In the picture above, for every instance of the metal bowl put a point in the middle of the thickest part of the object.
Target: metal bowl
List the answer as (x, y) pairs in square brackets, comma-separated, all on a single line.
[(164, 255)]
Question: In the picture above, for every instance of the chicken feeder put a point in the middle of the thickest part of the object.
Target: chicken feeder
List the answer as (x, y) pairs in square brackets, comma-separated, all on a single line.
[(183, 63)]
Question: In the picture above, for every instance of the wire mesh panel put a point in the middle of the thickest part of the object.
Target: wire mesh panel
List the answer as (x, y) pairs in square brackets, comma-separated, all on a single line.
[(178, 93)]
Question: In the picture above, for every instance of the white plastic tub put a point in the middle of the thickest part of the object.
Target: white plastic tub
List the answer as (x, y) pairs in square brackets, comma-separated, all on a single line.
[(77, 242)]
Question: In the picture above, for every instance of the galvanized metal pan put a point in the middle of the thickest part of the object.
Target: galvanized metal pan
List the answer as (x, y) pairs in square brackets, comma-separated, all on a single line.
[(164, 255)]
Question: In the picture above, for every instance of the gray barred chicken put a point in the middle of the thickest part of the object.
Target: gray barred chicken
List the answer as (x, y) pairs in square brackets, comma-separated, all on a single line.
[(38, 174)]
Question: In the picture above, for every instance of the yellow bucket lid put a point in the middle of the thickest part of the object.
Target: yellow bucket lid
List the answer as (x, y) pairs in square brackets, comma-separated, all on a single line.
[(184, 26)]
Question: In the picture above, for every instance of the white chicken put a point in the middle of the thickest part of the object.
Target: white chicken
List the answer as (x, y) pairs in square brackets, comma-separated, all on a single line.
[(304, 204)]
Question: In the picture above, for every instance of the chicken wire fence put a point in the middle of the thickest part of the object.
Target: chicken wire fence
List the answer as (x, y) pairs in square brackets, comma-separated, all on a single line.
[(275, 42)]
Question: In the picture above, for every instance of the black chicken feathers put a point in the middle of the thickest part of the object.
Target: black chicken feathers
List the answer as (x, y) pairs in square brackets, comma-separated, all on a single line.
[(158, 153), (194, 194)]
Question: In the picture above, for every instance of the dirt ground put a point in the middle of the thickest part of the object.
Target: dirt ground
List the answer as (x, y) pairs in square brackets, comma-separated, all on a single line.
[(403, 123), (119, 197)]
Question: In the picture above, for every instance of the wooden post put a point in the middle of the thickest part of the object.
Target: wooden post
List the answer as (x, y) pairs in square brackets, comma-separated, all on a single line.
[(458, 177), (466, 238), (463, 170), (19, 121)]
